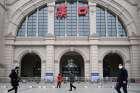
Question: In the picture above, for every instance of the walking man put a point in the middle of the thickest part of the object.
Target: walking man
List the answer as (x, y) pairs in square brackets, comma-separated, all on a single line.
[(71, 78), (122, 79), (14, 80)]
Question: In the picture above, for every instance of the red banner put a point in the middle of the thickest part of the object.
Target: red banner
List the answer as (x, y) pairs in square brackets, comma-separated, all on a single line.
[(82, 11), (61, 11)]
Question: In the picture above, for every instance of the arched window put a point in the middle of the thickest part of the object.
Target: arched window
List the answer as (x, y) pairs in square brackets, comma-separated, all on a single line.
[(35, 24), (108, 24), (72, 24)]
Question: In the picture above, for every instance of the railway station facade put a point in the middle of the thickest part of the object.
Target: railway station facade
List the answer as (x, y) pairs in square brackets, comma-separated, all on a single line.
[(88, 37)]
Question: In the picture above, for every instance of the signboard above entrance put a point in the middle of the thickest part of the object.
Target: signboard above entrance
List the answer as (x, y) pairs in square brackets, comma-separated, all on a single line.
[(62, 10), (71, 1)]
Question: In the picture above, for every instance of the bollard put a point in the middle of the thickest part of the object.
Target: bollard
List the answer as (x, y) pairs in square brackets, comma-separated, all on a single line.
[(30, 86), (39, 86), (85, 86)]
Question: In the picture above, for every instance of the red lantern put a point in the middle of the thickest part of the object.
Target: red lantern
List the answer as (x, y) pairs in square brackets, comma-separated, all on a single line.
[(61, 11), (82, 11)]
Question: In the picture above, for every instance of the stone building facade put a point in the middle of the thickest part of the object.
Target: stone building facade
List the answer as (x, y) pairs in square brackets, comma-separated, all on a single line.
[(91, 51)]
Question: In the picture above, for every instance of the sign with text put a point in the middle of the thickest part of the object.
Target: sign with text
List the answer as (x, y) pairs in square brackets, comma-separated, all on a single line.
[(49, 77), (94, 77), (82, 11), (61, 11)]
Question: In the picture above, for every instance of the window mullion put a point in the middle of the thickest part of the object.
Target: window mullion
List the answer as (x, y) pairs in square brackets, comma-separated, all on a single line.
[(26, 26), (66, 22), (37, 23), (77, 19), (106, 22), (117, 26)]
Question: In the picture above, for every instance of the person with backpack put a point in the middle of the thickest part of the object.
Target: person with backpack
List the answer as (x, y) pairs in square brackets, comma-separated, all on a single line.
[(72, 79), (14, 80)]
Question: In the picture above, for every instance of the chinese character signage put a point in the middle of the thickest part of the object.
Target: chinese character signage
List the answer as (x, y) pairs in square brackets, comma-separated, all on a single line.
[(72, 1), (82, 11), (61, 11)]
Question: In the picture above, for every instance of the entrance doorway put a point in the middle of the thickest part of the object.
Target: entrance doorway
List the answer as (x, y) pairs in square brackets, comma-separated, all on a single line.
[(31, 65), (110, 64), (72, 62)]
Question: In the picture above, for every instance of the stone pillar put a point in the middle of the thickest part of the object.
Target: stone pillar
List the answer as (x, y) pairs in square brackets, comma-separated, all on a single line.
[(135, 57), (87, 68), (50, 60), (43, 68), (57, 65), (128, 67), (94, 59), (9, 54), (51, 18), (135, 62), (92, 15)]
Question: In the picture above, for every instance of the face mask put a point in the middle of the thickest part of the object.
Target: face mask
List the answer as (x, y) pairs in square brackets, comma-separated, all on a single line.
[(120, 67)]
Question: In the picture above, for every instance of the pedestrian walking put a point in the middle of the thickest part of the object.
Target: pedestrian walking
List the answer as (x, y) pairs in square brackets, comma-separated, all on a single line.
[(72, 79), (59, 80), (122, 79), (14, 81)]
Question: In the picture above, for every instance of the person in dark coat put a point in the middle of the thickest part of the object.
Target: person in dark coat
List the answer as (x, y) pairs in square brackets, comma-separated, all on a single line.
[(59, 80), (14, 80), (71, 78), (122, 79)]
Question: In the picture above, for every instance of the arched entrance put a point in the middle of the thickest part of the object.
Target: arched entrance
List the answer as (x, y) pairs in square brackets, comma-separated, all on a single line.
[(31, 65), (72, 61), (110, 64)]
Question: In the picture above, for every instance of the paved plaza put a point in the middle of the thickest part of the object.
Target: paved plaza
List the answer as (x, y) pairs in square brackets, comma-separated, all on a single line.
[(81, 88)]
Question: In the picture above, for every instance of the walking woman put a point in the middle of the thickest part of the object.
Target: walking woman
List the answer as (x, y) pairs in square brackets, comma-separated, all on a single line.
[(59, 80), (14, 80)]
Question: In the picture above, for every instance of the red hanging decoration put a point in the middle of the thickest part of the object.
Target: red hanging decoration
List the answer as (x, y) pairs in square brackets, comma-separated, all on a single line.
[(61, 11), (82, 11)]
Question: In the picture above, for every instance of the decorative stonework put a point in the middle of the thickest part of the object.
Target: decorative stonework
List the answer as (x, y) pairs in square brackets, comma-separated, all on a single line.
[(60, 51), (123, 52), (11, 2), (132, 2)]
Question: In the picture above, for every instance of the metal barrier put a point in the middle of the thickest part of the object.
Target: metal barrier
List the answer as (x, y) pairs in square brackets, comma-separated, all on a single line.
[(66, 79)]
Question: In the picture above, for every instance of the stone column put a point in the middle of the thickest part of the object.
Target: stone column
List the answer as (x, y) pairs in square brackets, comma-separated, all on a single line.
[(128, 67), (87, 68), (135, 57), (135, 62), (57, 65), (51, 17), (94, 59), (43, 68), (50, 59), (92, 15), (9, 54)]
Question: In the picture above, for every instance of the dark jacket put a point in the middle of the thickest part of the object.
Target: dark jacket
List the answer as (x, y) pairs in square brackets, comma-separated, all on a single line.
[(71, 77), (14, 78), (122, 75)]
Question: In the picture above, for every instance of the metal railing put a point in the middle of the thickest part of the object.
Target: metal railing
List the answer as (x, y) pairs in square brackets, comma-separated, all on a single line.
[(66, 79)]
